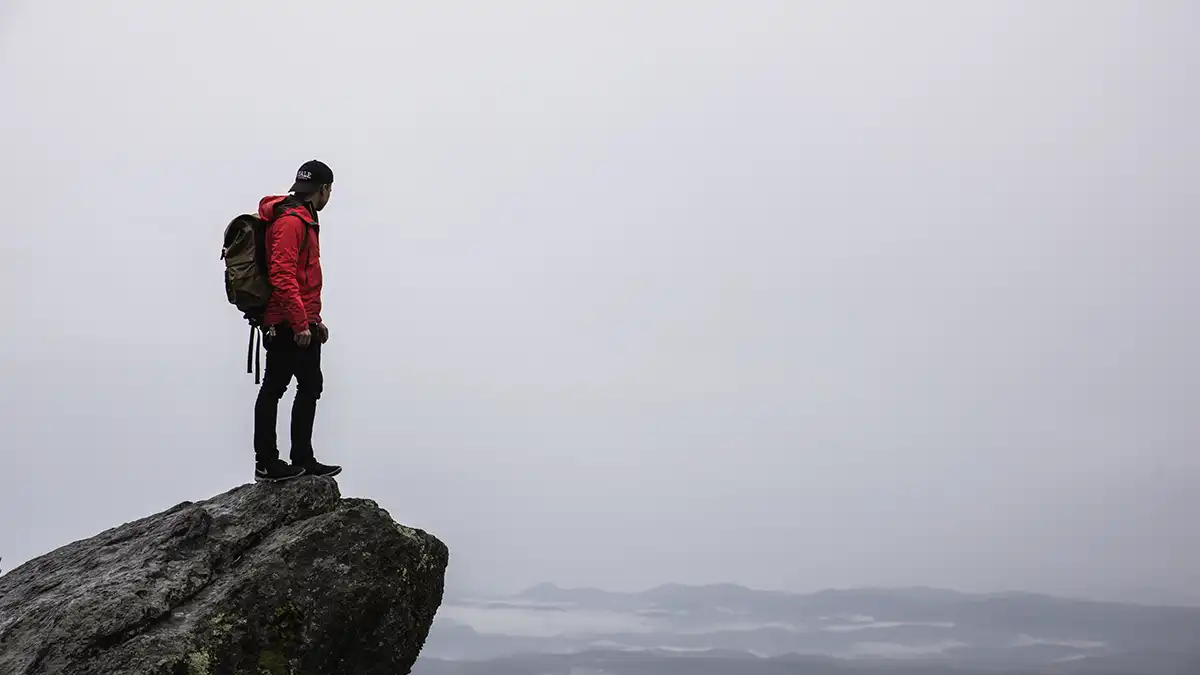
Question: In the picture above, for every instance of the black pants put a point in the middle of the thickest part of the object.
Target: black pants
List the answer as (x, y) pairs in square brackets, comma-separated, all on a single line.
[(287, 360)]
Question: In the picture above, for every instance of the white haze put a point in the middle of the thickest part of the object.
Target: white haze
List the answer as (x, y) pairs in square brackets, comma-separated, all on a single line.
[(790, 294)]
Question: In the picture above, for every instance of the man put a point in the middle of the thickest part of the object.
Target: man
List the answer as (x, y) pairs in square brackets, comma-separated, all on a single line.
[(293, 331)]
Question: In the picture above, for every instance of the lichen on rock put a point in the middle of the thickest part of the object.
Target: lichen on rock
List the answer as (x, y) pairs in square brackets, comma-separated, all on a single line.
[(287, 579)]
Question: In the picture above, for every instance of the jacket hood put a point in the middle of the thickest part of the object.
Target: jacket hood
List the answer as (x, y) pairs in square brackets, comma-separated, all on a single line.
[(277, 205)]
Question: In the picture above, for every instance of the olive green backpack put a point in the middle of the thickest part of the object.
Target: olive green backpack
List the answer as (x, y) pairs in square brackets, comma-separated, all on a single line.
[(247, 286)]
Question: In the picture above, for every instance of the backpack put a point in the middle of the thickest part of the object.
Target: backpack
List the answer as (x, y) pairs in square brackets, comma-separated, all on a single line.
[(247, 285)]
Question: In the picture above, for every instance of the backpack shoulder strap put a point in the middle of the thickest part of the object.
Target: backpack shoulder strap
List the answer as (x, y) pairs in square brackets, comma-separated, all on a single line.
[(306, 221)]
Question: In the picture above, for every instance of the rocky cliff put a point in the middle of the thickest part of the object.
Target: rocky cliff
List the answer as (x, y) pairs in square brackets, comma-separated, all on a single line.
[(288, 579)]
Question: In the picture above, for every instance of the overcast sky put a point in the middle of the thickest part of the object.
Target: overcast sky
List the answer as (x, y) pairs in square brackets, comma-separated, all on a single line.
[(791, 294)]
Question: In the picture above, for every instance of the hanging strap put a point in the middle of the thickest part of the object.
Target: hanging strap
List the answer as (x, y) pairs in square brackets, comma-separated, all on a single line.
[(250, 349), (258, 359), (254, 355)]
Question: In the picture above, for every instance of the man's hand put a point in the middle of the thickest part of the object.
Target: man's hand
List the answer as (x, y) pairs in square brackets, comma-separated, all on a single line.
[(323, 332), (304, 337)]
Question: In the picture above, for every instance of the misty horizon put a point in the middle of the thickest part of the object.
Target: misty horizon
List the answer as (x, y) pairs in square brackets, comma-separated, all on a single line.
[(1147, 595)]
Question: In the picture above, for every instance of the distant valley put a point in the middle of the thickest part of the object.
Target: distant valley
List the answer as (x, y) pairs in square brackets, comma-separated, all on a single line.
[(548, 630)]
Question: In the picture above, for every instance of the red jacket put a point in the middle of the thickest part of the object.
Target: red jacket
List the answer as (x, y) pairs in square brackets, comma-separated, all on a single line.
[(294, 263)]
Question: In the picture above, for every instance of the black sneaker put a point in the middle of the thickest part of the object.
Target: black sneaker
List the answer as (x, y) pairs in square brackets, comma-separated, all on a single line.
[(278, 470), (314, 468)]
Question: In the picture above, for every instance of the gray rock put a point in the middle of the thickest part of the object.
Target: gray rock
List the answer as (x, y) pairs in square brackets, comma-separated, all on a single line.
[(276, 579)]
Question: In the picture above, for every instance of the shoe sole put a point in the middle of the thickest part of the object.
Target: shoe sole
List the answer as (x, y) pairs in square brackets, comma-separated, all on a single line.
[(327, 474), (266, 479)]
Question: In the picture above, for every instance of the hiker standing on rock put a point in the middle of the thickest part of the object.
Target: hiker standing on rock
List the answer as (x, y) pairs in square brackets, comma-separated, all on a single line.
[(292, 329)]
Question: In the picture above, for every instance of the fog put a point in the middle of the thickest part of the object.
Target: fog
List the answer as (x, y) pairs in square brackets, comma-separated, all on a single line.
[(794, 295)]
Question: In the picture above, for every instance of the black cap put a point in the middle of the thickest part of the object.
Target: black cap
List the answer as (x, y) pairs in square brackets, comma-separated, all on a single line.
[(311, 175)]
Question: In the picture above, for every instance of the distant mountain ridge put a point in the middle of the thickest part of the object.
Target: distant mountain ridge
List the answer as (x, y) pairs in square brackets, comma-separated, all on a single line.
[(1160, 598), (551, 592), (906, 598)]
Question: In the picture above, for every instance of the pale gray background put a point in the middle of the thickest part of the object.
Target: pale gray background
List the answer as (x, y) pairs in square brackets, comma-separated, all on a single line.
[(792, 294)]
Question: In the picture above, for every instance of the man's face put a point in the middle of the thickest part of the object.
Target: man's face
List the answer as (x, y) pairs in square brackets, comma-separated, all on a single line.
[(323, 196)]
